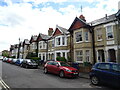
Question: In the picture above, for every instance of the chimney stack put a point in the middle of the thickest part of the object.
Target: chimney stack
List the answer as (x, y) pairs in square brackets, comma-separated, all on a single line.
[(82, 17), (50, 31)]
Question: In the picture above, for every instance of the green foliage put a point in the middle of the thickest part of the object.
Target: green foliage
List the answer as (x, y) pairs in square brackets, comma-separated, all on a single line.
[(61, 59), (87, 64), (5, 54), (30, 55), (35, 58)]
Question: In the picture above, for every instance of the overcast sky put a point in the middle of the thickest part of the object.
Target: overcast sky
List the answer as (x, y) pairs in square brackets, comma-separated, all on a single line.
[(24, 18)]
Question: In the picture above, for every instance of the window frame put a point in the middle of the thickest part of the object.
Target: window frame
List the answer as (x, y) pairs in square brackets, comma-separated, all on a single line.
[(107, 32), (80, 56), (78, 35), (99, 34)]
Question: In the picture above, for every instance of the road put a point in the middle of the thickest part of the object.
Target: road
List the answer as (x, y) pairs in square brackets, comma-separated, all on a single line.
[(17, 77)]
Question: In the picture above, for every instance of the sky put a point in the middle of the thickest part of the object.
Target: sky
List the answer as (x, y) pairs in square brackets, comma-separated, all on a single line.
[(24, 18)]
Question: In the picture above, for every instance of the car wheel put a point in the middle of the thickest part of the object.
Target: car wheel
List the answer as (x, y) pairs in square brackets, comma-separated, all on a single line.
[(45, 71), (61, 74), (95, 80)]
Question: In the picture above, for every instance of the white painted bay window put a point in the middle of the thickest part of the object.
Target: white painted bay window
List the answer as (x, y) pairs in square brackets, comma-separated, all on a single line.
[(58, 41)]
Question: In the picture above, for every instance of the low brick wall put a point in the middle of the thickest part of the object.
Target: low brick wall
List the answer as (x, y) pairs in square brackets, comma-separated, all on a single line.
[(85, 69)]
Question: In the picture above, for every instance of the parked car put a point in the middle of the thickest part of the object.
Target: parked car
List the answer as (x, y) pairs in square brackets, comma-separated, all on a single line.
[(28, 63), (19, 61), (5, 59), (108, 73), (9, 60), (1, 57), (60, 68), (14, 61)]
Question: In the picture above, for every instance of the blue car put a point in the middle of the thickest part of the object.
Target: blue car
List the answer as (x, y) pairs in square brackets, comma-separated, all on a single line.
[(19, 61), (107, 73)]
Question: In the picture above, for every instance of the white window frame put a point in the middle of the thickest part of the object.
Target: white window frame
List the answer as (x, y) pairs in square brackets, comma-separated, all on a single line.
[(86, 38), (109, 32), (61, 41), (87, 55), (76, 37), (99, 34), (79, 56)]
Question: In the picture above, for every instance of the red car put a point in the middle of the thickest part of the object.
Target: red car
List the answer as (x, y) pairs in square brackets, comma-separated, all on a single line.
[(60, 68), (9, 60)]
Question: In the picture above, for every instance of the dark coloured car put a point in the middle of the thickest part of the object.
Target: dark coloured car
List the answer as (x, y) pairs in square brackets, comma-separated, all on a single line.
[(107, 73), (60, 68), (28, 63)]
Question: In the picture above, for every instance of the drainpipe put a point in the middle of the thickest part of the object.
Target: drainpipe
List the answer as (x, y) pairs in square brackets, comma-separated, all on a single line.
[(46, 50), (93, 45)]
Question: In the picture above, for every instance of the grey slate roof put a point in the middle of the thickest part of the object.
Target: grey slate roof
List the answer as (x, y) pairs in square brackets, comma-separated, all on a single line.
[(34, 37), (63, 30), (26, 41), (103, 20), (43, 36)]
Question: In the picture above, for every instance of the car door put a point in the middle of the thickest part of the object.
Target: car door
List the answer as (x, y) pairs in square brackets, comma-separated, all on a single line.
[(103, 71), (55, 67), (49, 66), (115, 74)]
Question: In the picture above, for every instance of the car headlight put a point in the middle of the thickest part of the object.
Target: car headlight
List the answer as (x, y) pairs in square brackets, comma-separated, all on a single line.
[(68, 70)]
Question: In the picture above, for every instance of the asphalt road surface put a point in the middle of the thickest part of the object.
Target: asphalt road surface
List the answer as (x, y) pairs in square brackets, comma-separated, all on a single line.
[(18, 77)]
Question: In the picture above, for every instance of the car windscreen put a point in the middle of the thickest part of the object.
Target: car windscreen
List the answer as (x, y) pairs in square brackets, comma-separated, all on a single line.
[(64, 64)]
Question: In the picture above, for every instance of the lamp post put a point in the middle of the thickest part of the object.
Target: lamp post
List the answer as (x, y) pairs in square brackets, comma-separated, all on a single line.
[(18, 49)]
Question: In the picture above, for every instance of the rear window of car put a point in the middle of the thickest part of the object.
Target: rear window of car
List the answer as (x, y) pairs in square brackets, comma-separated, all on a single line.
[(103, 66), (116, 67), (49, 63)]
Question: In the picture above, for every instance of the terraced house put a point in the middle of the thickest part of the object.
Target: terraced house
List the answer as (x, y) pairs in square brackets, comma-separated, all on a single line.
[(33, 45), (59, 43), (97, 41), (81, 40), (42, 46), (26, 44)]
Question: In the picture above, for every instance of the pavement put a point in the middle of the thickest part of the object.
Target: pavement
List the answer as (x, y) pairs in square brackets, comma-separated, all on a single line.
[(84, 75)]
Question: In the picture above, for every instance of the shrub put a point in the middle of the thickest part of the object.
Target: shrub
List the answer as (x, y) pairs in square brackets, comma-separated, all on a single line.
[(61, 59)]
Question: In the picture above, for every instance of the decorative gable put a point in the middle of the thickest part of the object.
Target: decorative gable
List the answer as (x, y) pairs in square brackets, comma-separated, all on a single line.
[(77, 23), (57, 32)]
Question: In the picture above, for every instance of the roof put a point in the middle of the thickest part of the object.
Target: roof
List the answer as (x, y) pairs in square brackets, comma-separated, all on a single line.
[(26, 42), (33, 39), (77, 23), (63, 30), (43, 36), (103, 20), (118, 13)]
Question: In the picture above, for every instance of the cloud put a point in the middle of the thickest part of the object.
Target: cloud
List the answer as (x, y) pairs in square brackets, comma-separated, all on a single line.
[(20, 20)]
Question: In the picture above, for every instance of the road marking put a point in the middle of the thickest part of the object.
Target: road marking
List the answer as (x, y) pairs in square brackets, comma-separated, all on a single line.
[(4, 84)]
